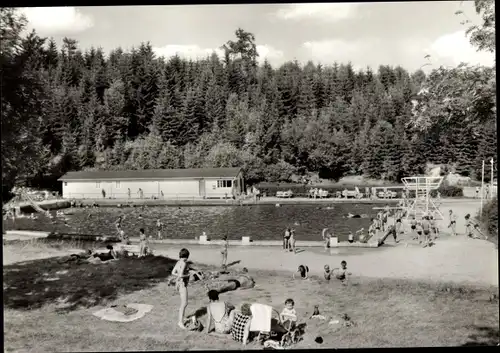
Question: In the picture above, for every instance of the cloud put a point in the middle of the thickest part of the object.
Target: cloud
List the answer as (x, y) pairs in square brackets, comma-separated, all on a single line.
[(51, 20), (272, 55), (193, 51), (456, 48), (326, 12), (330, 50)]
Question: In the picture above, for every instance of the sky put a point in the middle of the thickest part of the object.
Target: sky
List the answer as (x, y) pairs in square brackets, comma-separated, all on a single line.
[(365, 34)]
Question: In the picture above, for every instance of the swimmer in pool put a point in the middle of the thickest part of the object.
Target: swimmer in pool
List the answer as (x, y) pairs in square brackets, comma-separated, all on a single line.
[(302, 271)]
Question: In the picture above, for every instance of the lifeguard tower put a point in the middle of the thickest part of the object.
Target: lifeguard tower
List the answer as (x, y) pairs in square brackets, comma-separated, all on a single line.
[(423, 203)]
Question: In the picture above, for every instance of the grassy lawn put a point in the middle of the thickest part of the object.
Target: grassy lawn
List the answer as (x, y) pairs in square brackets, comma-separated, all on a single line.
[(56, 315)]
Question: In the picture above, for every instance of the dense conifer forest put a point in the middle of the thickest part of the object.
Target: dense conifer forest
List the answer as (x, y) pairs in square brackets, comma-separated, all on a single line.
[(65, 108)]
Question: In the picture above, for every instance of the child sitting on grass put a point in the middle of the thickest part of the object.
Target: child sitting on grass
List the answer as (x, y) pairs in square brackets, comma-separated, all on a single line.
[(289, 316), (303, 271), (181, 272), (327, 273), (341, 273)]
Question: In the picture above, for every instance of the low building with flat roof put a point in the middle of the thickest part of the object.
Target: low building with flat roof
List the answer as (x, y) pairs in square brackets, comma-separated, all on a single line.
[(154, 183)]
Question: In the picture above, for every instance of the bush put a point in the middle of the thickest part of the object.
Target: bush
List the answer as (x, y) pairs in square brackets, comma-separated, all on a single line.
[(448, 191), (489, 219)]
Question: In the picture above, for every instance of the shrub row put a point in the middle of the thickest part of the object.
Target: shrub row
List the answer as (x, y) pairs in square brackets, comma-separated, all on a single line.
[(489, 219)]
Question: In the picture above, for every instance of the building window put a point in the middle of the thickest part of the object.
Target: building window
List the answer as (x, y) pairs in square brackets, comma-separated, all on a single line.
[(97, 184), (224, 183), (117, 184), (65, 183)]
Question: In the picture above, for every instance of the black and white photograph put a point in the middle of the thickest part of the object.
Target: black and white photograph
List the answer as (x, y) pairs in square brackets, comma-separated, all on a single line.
[(249, 176)]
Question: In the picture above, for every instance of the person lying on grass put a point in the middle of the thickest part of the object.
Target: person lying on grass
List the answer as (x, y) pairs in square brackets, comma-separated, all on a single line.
[(341, 273), (302, 271), (181, 273), (220, 313), (110, 255)]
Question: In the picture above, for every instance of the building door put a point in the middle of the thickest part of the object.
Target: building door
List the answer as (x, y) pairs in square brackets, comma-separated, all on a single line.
[(202, 188)]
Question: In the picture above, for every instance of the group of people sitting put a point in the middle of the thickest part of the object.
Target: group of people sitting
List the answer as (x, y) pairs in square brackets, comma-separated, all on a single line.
[(340, 273), (224, 319)]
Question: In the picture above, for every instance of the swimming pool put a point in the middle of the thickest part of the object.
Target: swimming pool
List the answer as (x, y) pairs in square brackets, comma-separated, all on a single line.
[(260, 222)]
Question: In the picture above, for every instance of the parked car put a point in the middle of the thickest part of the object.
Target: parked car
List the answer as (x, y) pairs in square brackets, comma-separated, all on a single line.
[(388, 194), (352, 193), (285, 194)]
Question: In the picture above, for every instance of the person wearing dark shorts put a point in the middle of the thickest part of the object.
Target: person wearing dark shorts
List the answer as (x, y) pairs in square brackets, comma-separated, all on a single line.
[(413, 226), (426, 228), (286, 239)]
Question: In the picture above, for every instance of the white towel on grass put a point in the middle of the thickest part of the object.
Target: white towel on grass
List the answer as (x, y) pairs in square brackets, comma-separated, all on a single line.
[(261, 317), (111, 314)]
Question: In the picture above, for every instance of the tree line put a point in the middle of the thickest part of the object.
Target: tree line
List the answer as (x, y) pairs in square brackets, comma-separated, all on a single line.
[(66, 109)]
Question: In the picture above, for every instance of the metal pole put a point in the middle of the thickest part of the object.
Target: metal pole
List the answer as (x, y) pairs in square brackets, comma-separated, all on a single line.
[(482, 182), (491, 180)]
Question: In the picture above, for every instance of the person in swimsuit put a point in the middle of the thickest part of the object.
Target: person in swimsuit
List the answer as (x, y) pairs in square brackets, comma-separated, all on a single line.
[(159, 228), (286, 239), (118, 224), (350, 238), (220, 313), (181, 272), (419, 232), (413, 226), (341, 273), (325, 234), (434, 227), (240, 328), (223, 252), (426, 228), (327, 273), (143, 243), (453, 223), (111, 255), (398, 226), (291, 241), (378, 223), (303, 272)]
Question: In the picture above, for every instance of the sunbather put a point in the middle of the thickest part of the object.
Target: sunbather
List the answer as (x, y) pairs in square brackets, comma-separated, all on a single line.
[(220, 313)]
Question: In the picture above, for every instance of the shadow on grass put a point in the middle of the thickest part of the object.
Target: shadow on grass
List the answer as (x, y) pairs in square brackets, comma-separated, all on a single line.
[(233, 263), (32, 284), (484, 336)]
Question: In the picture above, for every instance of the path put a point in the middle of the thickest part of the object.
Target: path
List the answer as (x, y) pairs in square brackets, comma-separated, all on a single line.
[(450, 260)]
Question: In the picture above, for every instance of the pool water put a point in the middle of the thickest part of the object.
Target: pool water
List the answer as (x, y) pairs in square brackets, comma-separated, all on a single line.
[(260, 222)]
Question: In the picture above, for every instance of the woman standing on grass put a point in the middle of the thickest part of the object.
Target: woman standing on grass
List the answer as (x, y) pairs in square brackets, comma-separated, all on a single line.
[(181, 272), (292, 241), (286, 238)]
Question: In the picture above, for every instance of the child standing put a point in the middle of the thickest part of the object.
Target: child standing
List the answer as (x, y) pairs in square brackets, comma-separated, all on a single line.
[(426, 228), (159, 228), (434, 227), (453, 223), (286, 238), (291, 241), (289, 316), (413, 226), (326, 237), (181, 271), (143, 243), (223, 252)]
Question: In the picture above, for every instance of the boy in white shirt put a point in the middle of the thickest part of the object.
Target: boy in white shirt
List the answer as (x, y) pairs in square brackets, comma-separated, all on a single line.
[(289, 316)]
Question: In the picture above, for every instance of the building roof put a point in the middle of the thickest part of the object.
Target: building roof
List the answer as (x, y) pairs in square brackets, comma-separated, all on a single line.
[(152, 174)]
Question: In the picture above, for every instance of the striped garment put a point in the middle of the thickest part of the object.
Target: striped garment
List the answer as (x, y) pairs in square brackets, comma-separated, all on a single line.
[(238, 327)]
